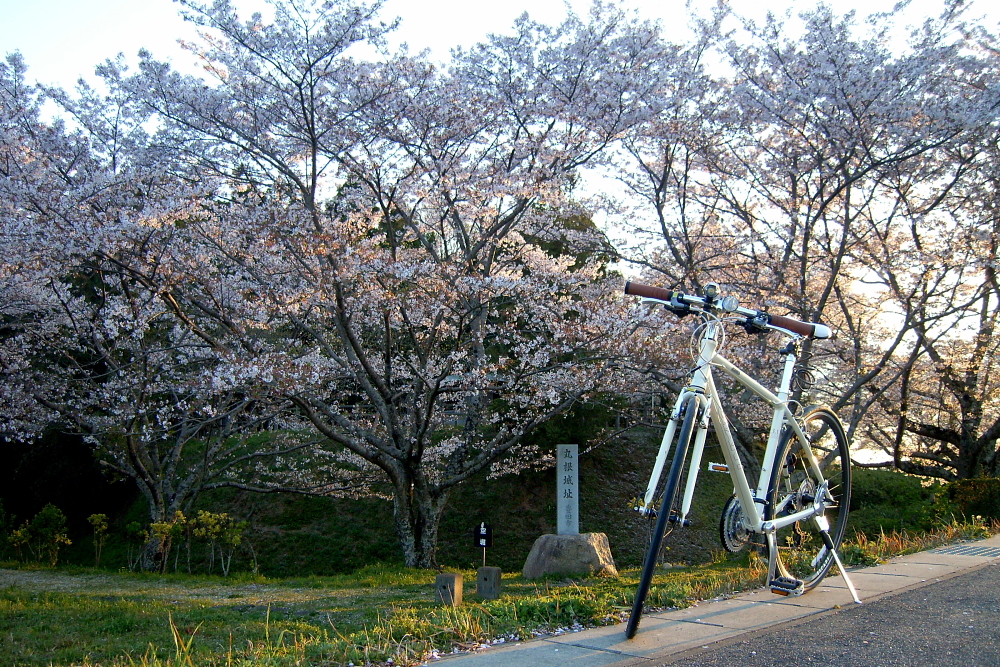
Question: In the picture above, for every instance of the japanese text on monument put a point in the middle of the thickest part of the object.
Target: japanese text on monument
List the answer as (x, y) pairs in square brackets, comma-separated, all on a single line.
[(568, 496)]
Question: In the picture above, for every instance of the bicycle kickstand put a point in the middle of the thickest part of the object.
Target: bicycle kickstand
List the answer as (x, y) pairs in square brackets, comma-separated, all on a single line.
[(824, 530)]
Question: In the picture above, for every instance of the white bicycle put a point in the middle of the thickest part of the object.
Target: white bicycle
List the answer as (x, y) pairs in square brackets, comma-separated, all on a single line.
[(800, 504)]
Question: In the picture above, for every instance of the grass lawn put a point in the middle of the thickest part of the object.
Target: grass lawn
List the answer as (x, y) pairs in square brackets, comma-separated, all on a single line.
[(66, 617), (76, 616)]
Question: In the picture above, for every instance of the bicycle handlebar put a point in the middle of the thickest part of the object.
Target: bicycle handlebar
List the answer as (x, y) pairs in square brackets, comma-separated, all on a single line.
[(757, 317), (814, 329), (638, 289)]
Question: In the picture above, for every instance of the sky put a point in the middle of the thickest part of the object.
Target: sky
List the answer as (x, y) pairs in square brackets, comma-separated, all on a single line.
[(62, 40)]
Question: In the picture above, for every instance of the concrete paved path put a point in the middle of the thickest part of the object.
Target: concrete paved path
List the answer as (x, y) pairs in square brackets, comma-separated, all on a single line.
[(948, 623), (667, 636)]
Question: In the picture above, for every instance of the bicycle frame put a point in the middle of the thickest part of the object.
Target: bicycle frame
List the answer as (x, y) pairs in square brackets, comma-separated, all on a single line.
[(702, 386)]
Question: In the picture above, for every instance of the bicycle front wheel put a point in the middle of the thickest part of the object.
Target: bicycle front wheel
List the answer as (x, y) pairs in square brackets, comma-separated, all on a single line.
[(793, 486), (666, 505)]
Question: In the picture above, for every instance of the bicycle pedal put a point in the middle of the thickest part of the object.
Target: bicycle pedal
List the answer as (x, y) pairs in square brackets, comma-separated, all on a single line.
[(787, 586)]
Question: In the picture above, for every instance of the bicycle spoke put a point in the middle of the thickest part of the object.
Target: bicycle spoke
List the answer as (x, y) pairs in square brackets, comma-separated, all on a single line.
[(801, 552)]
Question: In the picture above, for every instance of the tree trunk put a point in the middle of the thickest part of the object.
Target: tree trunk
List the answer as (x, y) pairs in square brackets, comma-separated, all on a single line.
[(150, 561), (154, 554), (417, 511)]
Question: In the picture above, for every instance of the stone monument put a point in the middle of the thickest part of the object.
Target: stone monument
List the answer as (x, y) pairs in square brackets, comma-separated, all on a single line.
[(587, 554), (568, 552)]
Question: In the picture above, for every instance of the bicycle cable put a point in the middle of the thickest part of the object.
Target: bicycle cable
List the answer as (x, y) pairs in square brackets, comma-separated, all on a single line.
[(694, 344), (804, 377)]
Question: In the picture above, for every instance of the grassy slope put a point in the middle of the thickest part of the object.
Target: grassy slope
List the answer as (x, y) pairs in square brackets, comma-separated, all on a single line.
[(87, 618), (64, 618), (297, 535)]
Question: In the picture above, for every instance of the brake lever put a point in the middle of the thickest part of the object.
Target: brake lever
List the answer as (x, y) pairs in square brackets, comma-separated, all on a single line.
[(755, 325)]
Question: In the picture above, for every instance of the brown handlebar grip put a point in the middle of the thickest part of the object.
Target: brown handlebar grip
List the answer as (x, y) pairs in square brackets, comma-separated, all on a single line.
[(638, 289), (795, 326)]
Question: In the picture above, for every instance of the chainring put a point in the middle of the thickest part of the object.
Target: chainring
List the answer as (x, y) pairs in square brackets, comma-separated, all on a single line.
[(732, 529)]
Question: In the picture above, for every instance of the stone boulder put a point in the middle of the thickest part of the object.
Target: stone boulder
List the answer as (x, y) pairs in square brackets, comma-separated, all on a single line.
[(587, 554)]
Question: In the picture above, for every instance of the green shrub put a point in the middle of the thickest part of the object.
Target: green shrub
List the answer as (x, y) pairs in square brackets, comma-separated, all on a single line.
[(43, 536), (976, 497), (887, 500), (5, 525), (100, 524)]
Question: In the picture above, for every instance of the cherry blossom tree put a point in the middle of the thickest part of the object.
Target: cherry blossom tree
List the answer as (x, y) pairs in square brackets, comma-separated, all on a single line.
[(797, 183), (328, 268), (941, 418), (394, 249), (95, 340)]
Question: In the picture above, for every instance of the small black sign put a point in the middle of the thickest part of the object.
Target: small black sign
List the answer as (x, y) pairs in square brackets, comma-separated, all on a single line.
[(483, 535)]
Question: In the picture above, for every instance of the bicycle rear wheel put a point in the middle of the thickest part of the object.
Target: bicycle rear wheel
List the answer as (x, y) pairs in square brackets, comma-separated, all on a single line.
[(801, 552), (690, 411)]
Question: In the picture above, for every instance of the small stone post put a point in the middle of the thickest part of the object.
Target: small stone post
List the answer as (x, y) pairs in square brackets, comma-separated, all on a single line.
[(448, 588), (488, 582)]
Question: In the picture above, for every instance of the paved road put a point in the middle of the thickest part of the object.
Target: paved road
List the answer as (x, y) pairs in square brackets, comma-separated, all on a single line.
[(955, 622)]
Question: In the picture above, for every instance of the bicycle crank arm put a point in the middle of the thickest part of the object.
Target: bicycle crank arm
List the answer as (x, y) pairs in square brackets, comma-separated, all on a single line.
[(779, 585)]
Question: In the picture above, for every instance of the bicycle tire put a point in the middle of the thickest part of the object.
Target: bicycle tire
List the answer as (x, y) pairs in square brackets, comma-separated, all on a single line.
[(666, 504), (801, 552)]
